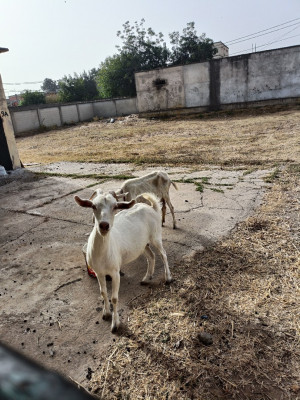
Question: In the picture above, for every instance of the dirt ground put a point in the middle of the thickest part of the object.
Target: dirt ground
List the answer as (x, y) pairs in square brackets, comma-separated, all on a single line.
[(235, 259), (253, 137)]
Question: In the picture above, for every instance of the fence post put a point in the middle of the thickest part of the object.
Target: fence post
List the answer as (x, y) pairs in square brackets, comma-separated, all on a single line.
[(60, 115), (39, 116), (78, 112)]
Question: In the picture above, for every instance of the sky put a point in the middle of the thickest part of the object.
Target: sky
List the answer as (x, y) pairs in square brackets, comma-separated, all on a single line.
[(54, 38)]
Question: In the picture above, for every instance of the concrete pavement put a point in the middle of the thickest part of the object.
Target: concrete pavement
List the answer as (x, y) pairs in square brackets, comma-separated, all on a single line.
[(50, 307)]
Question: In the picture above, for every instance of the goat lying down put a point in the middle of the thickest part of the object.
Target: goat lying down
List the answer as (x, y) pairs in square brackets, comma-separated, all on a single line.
[(118, 239), (157, 182)]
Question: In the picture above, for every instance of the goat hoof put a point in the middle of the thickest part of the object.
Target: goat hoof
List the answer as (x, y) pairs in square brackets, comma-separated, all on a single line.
[(106, 317), (122, 273), (145, 283), (114, 329), (169, 281)]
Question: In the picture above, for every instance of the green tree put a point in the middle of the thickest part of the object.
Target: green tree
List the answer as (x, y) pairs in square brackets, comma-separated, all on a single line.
[(116, 76), (146, 48), (49, 86), (142, 49), (30, 98), (81, 87), (189, 47)]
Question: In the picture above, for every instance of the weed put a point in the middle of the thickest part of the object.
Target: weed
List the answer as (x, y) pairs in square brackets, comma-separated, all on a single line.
[(217, 190), (199, 187), (249, 171), (186, 181), (273, 176), (223, 184), (205, 179)]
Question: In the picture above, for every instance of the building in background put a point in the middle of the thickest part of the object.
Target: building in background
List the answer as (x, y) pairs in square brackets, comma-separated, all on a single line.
[(223, 50), (14, 100)]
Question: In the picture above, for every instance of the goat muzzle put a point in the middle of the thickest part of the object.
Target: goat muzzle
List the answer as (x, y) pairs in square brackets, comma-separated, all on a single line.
[(104, 227)]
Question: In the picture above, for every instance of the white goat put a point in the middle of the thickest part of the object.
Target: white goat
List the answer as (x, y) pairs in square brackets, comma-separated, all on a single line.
[(157, 182), (119, 239)]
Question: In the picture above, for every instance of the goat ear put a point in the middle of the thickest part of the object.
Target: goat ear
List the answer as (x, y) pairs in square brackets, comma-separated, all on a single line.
[(84, 203), (93, 195), (96, 193), (117, 195), (113, 193), (125, 204)]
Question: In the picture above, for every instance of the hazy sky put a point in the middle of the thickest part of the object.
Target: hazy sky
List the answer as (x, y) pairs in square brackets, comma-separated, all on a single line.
[(53, 38)]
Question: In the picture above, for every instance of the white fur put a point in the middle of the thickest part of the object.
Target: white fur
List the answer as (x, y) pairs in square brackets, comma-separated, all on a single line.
[(157, 182), (129, 235)]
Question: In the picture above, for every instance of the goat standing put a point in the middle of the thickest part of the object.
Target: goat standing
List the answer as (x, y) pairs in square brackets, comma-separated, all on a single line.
[(157, 182), (119, 239)]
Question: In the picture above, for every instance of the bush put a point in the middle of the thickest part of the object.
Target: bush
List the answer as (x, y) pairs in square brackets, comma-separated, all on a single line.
[(30, 98)]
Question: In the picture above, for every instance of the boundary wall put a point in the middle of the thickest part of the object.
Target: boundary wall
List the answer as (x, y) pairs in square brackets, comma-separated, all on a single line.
[(267, 77), (248, 80), (33, 118)]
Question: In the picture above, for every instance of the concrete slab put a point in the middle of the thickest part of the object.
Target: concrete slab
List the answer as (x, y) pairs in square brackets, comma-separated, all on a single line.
[(20, 196), (50, 307)]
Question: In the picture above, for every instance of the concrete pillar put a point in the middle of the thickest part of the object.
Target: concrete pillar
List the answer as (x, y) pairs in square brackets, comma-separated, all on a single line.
[(9, 154)]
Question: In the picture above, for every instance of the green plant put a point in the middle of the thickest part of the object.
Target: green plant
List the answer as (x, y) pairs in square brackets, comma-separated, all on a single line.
[(82, 87), (199, 187), (142, 50), (189, 47), (30, 98), (49, 86), (205, 179), (217, 190)]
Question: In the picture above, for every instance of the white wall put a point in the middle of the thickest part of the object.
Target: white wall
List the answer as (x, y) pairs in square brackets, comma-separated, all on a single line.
[(255, 77), (260, 76), (153, 97), (32, 118), (69, 114), (49, 117), (105, 108), (196, 84), (86, 111), (126, 106), (25, 120)]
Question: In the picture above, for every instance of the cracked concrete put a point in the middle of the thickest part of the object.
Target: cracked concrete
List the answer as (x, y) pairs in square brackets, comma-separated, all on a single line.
[(46, 293)]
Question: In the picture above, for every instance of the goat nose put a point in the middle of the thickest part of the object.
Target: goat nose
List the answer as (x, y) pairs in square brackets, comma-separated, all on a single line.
[(104, 226)]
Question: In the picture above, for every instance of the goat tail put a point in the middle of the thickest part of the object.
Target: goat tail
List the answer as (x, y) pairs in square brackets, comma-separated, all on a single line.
[(150, 199), (174, 184)]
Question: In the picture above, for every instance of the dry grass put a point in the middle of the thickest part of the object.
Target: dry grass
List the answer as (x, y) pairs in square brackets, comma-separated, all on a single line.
[(244, 292), (220, 139)]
